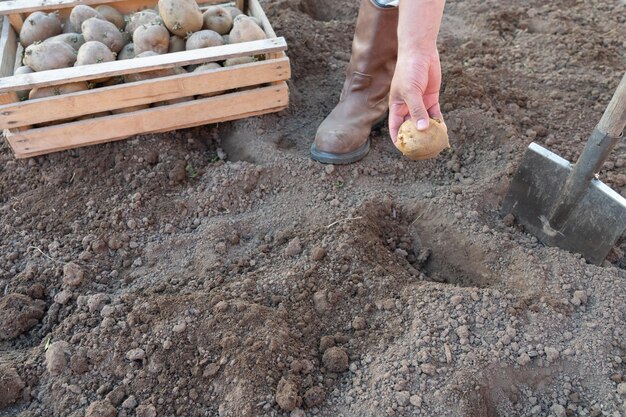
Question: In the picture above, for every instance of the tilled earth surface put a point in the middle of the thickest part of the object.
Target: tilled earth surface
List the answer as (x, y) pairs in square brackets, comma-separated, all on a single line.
[(218, 271)]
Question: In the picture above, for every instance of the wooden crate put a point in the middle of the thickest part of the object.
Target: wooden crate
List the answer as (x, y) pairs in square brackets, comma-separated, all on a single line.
[(250, 89)]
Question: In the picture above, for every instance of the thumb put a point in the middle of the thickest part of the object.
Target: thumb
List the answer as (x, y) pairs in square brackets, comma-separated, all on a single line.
[(418, 112)]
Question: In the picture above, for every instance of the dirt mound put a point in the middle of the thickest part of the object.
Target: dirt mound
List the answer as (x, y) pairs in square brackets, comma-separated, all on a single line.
[(218, 271)]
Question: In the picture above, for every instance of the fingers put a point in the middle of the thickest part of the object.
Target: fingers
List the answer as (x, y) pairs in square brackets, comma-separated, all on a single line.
[(418, 112), (396, 118)]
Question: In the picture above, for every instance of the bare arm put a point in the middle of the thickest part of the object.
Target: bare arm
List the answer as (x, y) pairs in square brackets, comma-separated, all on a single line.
[(417, 79)]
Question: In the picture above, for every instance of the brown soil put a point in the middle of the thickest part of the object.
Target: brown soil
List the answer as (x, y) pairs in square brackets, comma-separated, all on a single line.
[(219, 264)]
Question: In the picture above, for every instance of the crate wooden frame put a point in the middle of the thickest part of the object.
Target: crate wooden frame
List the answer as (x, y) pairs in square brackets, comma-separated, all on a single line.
[(260, 87)]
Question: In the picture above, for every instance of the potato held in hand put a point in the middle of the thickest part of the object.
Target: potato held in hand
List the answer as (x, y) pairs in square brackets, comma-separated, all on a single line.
[(422, 144)]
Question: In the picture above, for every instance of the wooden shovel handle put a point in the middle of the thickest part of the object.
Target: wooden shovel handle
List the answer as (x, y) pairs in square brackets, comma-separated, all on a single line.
[(614, 117)]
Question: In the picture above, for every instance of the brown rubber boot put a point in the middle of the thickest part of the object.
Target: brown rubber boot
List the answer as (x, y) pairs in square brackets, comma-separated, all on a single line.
[(343, 137)]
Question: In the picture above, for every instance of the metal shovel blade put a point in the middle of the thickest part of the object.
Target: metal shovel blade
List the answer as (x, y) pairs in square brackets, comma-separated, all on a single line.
[(594, 224)]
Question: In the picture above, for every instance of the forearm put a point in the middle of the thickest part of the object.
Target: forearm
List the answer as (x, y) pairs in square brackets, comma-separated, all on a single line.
[(418, 25)]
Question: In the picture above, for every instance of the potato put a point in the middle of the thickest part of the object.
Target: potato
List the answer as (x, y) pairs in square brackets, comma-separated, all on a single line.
[(238, 61), (172, 101), (38, 27), (103, 31), (112, 15), (113, 81), (81, 13), (144, 17), (49, 55), (23, 94), (131, 109), (68, 27), (75, 40), (94, 52), (422, 144), (126, 38), (204, 39), (177, 44), (234, 11), (217, 19), (93, 116), (151, 38), (246, 30), (127, 52), (181, 16), (140, 76), (57, 90), (207, 67)]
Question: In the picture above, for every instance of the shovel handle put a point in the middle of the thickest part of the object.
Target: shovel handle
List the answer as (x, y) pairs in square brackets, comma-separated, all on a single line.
[(614, 117), (602, 141)]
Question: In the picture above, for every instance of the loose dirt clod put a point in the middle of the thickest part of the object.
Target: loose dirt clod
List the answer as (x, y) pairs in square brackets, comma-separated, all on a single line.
[(287, 395), (335, 359), (11, 386)]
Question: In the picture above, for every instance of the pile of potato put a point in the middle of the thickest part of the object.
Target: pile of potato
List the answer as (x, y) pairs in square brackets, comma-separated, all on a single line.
[(102, 34)]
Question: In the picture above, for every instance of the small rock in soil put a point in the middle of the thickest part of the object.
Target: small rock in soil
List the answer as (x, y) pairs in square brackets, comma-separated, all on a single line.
[(136, 354), (335, 359), (428, 369), (11, 386), (178, 173), (101, 409), (147, 410), (56, 361), (287, 395), (358, 323), (415, 400), (72, 274), (403, 398), (326, 342), (63, 297), (314, 397), (294, 247), (318, 253), (552, 354), (129, 403), (298, 412)]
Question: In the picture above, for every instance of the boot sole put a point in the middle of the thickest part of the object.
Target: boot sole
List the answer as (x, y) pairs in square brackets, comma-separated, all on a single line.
[(340, 158)]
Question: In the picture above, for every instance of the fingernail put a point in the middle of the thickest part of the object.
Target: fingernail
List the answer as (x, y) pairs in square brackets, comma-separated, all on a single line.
[(422, 124)]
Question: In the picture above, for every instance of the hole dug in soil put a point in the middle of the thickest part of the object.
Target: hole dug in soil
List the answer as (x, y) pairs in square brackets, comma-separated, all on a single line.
[(425, 244)]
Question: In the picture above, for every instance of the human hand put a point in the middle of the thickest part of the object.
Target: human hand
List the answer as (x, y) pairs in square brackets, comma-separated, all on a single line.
[(414, 91)]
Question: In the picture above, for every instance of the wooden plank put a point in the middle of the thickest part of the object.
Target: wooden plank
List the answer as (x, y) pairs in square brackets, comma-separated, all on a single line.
[(108, 69), (17, 21), (8, 48), (8, 98), (19, 53), (8, 51), (257, 11), (144, 92), (241, 5), (29, 6), (109, 128), (237, 117)]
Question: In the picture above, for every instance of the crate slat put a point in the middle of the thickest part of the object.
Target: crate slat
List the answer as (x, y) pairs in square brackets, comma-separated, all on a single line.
[(109, 128), (8, 52), (124, 6), (257, 11), (150, 63), (144, 92)]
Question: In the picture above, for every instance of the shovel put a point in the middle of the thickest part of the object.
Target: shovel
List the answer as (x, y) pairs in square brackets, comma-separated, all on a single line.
[(565, 205)]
